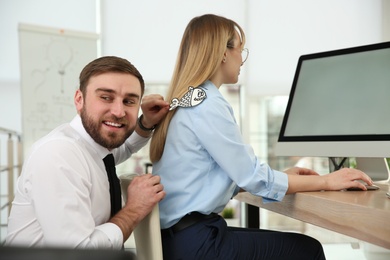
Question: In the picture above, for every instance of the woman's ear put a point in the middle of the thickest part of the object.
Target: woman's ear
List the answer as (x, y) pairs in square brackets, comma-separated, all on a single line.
[(224, 57)]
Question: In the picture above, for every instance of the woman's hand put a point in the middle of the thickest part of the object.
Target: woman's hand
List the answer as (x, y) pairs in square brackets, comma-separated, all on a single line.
[(347, 178)]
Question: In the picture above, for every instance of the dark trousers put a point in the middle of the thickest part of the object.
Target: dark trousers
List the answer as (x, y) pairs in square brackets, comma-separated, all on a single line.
[(212, 239)]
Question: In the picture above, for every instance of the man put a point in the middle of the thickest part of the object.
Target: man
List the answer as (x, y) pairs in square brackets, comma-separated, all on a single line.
[(63, 193)]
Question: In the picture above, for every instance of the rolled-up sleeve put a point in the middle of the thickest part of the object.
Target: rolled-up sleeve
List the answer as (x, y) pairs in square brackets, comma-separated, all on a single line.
[(107, 235)]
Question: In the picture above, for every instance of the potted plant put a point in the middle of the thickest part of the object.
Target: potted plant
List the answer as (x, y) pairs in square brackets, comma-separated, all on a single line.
[(228, 214)]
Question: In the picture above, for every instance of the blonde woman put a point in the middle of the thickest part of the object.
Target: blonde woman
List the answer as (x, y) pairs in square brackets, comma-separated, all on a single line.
[(198, 152)]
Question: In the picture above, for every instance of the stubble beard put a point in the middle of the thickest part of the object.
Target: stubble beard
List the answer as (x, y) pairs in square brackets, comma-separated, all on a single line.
[(93, 128)]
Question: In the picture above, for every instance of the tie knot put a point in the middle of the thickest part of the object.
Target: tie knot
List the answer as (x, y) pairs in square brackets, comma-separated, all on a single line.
[(109, 160)]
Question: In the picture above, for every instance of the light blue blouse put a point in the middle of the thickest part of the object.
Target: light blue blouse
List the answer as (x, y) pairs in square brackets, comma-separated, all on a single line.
[(205, 162)]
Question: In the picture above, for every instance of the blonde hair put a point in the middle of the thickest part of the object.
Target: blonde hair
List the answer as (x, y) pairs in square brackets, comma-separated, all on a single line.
[(201, 51)]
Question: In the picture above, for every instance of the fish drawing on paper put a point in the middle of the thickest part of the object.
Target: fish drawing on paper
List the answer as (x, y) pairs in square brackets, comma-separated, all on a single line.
[(193, 97)]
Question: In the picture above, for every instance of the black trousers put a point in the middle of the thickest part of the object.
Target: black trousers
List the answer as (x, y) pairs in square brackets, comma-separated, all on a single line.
[(212, 239)]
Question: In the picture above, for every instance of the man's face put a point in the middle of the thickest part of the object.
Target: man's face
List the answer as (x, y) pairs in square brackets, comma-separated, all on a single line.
[(109, 110)]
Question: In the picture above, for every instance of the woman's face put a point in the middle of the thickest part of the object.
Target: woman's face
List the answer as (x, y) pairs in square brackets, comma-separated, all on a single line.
[(234, 61)]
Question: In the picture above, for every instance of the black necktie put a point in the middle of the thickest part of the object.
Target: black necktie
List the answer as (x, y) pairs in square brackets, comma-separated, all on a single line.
[(115, 188)]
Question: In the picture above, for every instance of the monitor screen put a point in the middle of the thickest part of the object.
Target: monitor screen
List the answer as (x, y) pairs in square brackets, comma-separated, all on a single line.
[(339, 105)]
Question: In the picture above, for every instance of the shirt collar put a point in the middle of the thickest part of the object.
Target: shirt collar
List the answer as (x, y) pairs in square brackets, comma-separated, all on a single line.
[(78, 126), (210, 88)]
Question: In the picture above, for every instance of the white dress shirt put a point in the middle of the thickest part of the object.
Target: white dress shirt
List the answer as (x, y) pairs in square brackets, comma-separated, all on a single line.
[(62, 196)]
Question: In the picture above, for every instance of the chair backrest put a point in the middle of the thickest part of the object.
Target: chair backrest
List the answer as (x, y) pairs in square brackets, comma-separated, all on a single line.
[(147, 234)]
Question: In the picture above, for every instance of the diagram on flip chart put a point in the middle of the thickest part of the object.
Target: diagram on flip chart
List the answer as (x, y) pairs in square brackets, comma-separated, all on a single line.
[(51, 60)]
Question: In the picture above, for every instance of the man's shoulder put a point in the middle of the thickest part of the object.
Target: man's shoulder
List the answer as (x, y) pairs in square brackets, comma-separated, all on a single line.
[(62, 138)]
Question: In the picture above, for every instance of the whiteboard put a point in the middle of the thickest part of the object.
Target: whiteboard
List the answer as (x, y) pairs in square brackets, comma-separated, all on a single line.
[(51, 60)]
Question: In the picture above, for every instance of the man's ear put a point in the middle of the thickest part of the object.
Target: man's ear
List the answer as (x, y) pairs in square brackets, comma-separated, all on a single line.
[(78, 100)]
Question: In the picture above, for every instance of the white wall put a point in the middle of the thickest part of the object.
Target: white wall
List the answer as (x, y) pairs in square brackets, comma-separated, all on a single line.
[(278, 32), (148, 34), (282, 30), (70, 14)]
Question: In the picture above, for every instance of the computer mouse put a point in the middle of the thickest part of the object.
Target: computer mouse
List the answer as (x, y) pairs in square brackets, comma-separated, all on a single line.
[(369, 187)]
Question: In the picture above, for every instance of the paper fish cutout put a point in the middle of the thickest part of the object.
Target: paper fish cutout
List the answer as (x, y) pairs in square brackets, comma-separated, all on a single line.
[(193, 97)]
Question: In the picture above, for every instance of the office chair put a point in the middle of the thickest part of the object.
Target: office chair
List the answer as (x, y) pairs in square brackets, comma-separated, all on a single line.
[(147, 234)]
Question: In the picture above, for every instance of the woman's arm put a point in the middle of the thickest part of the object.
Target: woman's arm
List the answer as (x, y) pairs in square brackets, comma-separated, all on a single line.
[(302, 179)]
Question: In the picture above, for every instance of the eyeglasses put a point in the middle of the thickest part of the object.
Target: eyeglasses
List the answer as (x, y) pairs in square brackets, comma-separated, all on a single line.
[(244, 54)]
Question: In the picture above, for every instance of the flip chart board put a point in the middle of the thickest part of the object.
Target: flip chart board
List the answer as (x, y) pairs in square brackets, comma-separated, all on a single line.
[(51, 60)]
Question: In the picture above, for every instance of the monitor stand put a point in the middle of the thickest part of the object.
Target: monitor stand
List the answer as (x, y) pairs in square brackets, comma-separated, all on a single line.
[(376, 168)]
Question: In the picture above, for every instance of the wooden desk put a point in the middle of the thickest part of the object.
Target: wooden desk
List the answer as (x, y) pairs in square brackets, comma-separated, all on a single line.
[(364, 215)]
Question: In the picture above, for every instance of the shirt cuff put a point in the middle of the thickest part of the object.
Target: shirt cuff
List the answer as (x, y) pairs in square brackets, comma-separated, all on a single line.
[(278, 189), (114, 234)]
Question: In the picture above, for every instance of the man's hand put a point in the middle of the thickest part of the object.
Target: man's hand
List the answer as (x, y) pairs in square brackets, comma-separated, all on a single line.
[(154, 108), (143, 193)]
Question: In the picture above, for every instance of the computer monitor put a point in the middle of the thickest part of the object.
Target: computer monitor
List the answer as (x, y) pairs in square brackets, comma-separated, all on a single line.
[(339, 106)]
